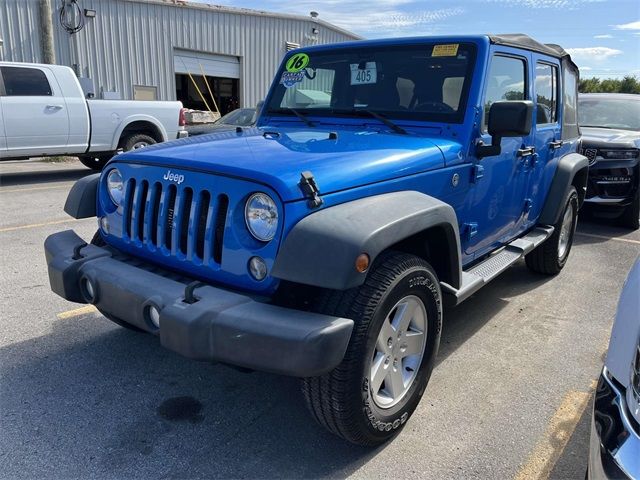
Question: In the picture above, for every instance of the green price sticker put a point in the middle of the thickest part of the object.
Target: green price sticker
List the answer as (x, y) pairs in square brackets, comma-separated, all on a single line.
[(297, 62)]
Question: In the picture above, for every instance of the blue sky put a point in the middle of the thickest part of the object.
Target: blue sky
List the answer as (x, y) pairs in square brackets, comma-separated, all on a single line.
[(603, 36)]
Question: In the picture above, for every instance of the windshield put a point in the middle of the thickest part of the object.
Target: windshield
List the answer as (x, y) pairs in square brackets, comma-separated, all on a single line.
[(242, 117), (427, 82), (610, 112)]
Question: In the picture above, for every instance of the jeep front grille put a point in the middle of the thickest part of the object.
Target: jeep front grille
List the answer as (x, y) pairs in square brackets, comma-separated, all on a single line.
[(179, 221)]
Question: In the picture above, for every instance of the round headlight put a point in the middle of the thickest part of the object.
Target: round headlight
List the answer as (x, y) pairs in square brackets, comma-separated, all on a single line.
[(261, 215), (115, 186)]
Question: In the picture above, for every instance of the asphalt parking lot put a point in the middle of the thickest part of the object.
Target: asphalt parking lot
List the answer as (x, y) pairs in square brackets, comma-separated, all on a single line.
[(80, 397)]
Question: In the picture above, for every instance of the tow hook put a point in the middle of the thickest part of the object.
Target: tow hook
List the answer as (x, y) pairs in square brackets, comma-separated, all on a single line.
[(76, 251)]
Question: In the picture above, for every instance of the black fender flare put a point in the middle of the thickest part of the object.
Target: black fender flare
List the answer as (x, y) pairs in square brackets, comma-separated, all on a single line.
[(321, 249), (81, 201), (573, 170)]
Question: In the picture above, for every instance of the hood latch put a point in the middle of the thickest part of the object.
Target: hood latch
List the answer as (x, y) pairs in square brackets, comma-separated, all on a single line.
[(310, 189)]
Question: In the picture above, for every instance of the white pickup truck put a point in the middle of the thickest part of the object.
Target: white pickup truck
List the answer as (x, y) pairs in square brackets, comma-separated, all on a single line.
[(44, 112)]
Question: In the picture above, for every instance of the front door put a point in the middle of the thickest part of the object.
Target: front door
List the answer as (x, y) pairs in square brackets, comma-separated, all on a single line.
[(499, 196), (36, 121)]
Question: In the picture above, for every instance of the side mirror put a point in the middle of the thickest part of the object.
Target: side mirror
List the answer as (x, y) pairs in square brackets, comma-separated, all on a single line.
[(506, 119)]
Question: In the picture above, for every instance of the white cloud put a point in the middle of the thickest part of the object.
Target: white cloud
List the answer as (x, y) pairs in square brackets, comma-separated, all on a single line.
[(585, 69), (628, 26), (538, 4), (603, 36), (593, 53)]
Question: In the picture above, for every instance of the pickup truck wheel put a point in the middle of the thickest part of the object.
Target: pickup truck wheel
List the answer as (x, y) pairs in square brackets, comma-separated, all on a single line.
[(631, 216), (95, 163), (550, 257), (136, 141), (369, 397), (99, 242)]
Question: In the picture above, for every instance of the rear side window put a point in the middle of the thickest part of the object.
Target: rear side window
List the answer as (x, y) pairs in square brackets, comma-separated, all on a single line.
[(546, 93), (25, 82), (570, 101), (506, 81)]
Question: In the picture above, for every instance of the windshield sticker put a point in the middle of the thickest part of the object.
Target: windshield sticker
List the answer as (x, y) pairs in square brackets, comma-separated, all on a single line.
[(298, 62), (363, 73), (289, 79), (449, 50)]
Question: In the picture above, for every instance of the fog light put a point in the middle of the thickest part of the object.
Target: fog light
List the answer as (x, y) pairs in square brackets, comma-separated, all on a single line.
[(88, 290), (154, 315), (104, 224), (257, 268)]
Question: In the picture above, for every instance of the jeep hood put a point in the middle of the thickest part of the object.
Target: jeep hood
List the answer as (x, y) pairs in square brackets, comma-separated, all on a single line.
[(277, 157)]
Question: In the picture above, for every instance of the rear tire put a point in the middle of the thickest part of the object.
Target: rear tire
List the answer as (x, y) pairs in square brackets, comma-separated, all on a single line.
[(136, 141), (99, 242), (370, 396), (95, 163), (550, 257), (630, 218)]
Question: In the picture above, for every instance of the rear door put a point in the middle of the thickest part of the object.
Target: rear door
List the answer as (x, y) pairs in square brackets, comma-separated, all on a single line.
[(3, 136), (499, 196), (547, 132), (35, 114)]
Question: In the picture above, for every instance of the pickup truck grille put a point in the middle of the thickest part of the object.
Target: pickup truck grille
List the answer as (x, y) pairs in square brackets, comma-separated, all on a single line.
[(182, 222)]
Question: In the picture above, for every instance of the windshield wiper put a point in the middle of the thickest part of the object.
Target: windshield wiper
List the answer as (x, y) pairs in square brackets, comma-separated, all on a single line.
[(386, 121), (301, 116)]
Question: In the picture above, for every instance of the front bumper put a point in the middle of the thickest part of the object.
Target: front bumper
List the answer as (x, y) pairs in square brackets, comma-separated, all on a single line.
[(613, 183), (614, 450), (220, 326)]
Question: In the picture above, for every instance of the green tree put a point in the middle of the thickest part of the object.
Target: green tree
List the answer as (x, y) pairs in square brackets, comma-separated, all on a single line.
[(629, 84)]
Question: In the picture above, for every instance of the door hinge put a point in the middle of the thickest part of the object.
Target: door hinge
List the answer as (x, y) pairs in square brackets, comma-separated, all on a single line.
[(310, 189), (470, 230), (477, 173)]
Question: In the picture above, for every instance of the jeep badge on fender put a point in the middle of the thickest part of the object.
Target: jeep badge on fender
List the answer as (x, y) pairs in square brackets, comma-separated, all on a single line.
[(384, 179)]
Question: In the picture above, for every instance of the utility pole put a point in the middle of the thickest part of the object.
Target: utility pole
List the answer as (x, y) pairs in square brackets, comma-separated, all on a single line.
[(46, 27)]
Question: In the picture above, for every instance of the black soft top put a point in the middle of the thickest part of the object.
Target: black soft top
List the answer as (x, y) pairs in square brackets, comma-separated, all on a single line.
[(520, 40)]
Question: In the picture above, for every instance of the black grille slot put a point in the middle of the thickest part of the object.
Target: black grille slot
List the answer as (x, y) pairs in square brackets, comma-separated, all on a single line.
[(155, 211), (201, 225), (185, 213), (221, 216), (168, 228), (141, 207), (128, 205)]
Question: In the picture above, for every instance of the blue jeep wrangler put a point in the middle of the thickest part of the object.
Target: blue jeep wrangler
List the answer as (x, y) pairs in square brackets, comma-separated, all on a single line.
[(384, 178)]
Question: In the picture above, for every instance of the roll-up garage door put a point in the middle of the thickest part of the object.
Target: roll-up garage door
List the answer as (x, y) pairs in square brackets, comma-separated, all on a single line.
[(213, 65)]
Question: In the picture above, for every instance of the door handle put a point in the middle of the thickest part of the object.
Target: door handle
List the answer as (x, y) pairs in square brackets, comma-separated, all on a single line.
[(54, 107), (556, 144), (526, 152)]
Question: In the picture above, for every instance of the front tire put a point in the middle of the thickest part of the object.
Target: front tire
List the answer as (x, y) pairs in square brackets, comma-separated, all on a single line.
[(551, 257), (630, 218), (397, 312)]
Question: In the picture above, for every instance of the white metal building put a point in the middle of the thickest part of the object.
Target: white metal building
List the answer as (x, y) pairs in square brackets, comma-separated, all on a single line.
[(157, 49)]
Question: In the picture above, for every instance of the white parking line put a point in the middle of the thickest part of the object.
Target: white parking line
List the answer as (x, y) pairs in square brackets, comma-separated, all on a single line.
[(77, 312), (36, 225), (604, 237), (31, 189)]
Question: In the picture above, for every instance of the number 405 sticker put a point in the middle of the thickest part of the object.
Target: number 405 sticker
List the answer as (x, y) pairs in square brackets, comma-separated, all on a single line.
[(363, 76)]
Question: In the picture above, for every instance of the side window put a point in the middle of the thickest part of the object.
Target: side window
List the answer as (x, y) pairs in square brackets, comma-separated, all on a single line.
[(25, 82), (546, 93), (506, 81), (570, 118)]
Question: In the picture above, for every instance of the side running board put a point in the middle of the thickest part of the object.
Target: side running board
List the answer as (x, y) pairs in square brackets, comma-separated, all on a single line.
[(482, 273)]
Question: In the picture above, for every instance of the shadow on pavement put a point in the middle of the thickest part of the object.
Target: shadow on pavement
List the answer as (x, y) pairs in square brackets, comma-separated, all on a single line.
[(43, 176), (87, 399), (575, 456)]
